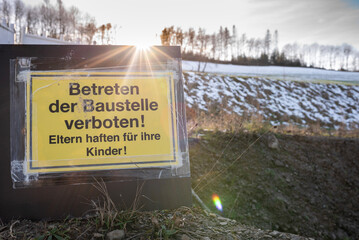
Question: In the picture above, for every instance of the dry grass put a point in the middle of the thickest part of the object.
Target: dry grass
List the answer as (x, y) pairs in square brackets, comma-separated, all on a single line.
[(108, 213), (226, 122), (104, 207)]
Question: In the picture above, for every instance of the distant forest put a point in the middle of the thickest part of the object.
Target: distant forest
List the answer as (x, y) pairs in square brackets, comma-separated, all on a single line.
[(227, 46), (56, 21)]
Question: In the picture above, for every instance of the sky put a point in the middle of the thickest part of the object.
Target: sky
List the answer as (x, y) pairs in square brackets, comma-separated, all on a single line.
[(303, 21)]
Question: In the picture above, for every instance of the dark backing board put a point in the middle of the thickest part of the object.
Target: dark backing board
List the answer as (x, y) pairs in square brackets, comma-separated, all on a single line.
[(61, 201)]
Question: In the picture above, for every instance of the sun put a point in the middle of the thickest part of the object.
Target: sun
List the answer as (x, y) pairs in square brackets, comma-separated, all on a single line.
[(143, 46)]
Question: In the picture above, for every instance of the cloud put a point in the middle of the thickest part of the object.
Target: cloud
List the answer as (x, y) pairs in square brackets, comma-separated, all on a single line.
[(306, 21)]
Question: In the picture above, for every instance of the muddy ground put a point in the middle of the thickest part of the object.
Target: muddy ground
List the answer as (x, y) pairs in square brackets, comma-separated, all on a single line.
[(299, 184), (302, 185)]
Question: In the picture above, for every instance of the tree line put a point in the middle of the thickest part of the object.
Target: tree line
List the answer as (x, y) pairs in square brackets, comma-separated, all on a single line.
[(225, 45), (228, 46), (56, 21)]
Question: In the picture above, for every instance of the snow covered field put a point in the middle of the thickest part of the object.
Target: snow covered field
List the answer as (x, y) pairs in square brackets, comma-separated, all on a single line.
[(277, 101), (274, 72)]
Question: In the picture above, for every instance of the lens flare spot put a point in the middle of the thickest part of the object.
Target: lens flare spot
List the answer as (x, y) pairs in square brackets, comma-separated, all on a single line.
[(217, 202)]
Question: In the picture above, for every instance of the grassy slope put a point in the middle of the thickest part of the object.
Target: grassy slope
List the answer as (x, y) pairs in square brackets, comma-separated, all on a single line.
[(310, 185), (299, 103)]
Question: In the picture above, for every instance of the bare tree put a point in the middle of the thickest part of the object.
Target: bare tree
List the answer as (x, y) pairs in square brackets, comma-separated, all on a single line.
[(234, 42), (89, 28), (81, 31), (32, 19), (331, 50), (347, 50), (288, 51), (185, 43), (114, 33), (220, 44), (73, 19), (48, 19), (179, 37), (167, 36), (275, 40), (314, 54), (339, 63), (323, 56), (19, 7), (19, 12), (242, 44), (214, 45), (102, 30), (250, 44), (61, 17), (267, 42), (191, 38), (108, 29), (226, 42), (201, 38), (6, 11), (258, 46), (356, 62)]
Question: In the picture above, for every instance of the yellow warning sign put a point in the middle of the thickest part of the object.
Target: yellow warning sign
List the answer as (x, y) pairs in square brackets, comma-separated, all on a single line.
[(100, 120)]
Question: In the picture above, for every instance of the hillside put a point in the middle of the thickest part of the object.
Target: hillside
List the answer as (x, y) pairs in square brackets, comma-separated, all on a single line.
[(279, 102), (308, 185), (304, 185)]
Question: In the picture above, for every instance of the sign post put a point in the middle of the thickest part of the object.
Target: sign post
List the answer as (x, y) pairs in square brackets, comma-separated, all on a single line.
[(80, 113)]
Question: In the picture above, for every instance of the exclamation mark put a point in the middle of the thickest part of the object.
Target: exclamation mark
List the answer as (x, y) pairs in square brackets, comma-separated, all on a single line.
[(143, 120), (125, 149)]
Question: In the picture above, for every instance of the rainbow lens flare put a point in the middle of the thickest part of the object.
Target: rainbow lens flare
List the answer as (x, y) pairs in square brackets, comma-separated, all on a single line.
[(217, 202)]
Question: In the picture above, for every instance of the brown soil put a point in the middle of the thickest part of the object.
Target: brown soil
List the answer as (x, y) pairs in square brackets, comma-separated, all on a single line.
[(183, 224), (308, 185)]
